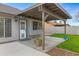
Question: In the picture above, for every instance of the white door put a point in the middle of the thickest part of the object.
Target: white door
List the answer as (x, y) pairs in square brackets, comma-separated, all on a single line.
[(22, 29)]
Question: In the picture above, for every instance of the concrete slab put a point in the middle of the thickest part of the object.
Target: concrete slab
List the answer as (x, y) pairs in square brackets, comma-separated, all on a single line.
[(18, 49), (50, 42)]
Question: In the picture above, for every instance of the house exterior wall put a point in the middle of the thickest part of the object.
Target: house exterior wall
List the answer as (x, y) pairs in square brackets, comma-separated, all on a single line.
[(30, 31), (15, 30)]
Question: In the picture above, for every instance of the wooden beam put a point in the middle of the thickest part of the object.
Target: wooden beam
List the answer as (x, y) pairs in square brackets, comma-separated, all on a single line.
[(51, 13), (43, 31), (64, 26), (44, 17), (64, 11)]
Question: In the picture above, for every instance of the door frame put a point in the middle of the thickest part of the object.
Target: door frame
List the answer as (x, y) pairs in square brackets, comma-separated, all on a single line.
[(20, 28)]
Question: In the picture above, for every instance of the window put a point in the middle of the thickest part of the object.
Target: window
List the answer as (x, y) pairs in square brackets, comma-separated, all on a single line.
[(22, 25), (40, 26), (5, 22), (37, 25), (1, 27), (7, 27)]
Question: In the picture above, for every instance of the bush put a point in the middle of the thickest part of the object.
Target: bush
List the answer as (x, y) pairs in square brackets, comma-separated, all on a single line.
[(38, 42)]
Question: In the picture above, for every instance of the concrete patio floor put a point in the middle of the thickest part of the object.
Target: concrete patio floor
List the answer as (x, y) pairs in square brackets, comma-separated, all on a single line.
[(28, 48), (18, 49), (50, 42)]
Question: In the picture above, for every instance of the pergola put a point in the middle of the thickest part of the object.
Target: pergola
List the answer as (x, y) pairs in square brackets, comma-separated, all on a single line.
[(46, 12)]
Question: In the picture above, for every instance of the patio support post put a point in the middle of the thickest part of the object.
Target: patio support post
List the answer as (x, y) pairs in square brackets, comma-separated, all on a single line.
[(43, 17), (43, 30), (64, 26)]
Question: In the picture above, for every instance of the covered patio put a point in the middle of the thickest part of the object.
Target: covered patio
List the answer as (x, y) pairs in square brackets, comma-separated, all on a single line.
[(46, 12), (50, 43)]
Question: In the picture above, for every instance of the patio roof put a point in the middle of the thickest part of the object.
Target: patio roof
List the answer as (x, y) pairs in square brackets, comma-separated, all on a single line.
[(54, 11), (46, 12)]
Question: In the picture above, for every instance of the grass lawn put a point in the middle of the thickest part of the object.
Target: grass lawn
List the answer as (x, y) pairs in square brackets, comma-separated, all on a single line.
[(72, 44)]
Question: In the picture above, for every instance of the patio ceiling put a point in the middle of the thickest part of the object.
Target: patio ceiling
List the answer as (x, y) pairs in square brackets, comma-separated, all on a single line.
[(54, 11)]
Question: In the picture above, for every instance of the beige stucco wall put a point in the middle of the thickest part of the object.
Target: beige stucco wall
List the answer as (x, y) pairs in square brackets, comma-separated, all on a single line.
[(15, 30), (29, 27)]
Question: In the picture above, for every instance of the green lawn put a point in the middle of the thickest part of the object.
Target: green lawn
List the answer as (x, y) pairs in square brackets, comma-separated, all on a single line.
[(72, 44)]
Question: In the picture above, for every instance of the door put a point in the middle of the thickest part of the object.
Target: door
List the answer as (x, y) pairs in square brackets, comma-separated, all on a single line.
[(22, 29)]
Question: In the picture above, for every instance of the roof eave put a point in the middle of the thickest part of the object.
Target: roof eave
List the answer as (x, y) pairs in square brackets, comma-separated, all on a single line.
[(58, 5), (38, 4)]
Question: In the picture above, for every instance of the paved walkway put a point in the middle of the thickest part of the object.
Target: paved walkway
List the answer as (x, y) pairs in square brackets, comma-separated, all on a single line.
[(50, 42), (18, 49)]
